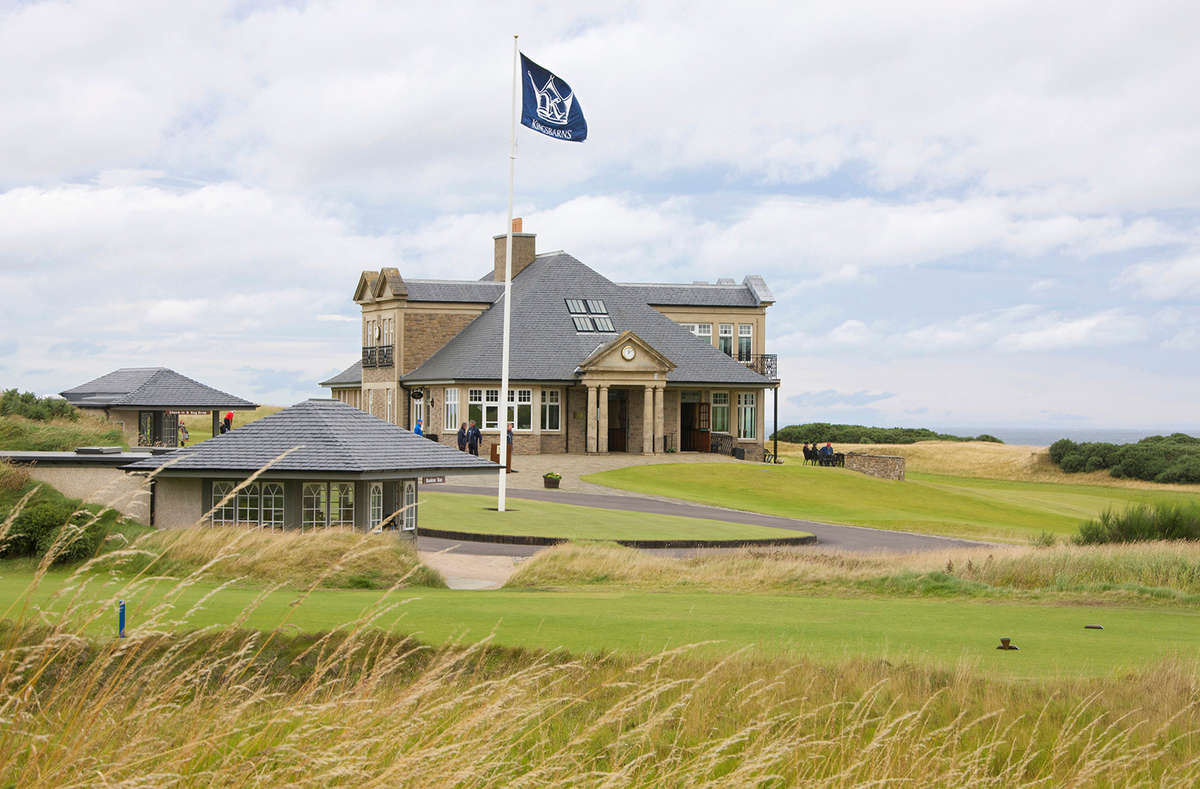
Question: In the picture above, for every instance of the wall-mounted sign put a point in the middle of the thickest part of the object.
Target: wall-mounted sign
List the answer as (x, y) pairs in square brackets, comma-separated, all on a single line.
[(432, 480)]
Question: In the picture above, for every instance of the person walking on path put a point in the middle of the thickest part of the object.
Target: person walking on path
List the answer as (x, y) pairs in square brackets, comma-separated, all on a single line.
[(462, 437), (417, 429), (473, 437), (183, 434), (508, 460)]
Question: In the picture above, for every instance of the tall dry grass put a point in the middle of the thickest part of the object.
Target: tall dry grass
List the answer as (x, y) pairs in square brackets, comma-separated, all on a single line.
[(1148, 569)]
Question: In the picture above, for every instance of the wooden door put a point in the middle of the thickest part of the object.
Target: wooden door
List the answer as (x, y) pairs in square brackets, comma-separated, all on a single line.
[(703, 437), (617, 423)]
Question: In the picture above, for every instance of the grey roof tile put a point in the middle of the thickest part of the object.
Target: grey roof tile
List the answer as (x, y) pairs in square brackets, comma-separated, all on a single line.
[(545, 345), (333, 438), (667, 295), (454, 290), (151, 387)]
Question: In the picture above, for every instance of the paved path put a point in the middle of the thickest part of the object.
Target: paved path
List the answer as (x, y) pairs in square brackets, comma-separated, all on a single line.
[(846, 538)]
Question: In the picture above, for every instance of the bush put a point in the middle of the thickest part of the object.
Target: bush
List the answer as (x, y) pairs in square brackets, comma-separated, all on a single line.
[(41, 521), (1173, 458), (12, 477), (30, 406), (1141, 523), (861, 434)]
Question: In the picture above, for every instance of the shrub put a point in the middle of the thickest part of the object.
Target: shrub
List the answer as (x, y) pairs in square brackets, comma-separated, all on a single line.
[(30, 406), (1173, 458), (1060, 449), (861, 434), (12, 477), (35, 527), (1141, 523)]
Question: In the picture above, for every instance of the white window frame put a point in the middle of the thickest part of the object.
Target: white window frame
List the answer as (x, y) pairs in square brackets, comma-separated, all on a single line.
[(390, 412), (488, 400), (409, 516), (704, 332), (307, 512), (719, 402), (341, 504), (725, 332), (551, 406), (248, 505), (417, 411), (375, 499), (273, 503), (223, 515), (745, 331), (519, 400), (747, 413), (450, 410)]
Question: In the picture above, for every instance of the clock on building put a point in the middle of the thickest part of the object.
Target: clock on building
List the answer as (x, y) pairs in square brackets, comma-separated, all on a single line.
[(628, 352)]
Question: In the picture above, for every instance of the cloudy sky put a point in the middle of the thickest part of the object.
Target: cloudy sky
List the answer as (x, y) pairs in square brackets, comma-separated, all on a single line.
[(980, 214)]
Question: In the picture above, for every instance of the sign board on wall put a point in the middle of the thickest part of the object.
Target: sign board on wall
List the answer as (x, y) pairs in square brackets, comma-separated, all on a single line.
[(432, 480)]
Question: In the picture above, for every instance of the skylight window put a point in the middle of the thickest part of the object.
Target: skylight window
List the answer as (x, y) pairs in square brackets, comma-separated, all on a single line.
[(590, 315)]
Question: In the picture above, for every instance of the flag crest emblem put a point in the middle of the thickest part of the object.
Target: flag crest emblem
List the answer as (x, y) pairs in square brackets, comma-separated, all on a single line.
[(549, 104)]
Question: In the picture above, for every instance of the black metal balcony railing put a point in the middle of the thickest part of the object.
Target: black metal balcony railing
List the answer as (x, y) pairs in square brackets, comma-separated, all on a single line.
[(765, 364), (378, 356)]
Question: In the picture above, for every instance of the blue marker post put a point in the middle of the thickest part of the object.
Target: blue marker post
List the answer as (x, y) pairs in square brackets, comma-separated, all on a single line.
[(121, 619)]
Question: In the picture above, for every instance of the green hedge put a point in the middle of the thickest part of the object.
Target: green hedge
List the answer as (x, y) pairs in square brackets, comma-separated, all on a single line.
[(1173, 458), (30, 406), (42, 520), (861, 434), (1142, 523)]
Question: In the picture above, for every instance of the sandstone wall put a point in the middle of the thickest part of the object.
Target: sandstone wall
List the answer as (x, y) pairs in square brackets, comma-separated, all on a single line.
[(882, 466)]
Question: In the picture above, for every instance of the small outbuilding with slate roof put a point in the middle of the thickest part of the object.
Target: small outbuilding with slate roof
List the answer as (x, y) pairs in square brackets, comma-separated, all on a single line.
[(145, 402), (323, 463)]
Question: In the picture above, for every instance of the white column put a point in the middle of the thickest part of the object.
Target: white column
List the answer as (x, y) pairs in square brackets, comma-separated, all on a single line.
[(659, 427), (648, 421)]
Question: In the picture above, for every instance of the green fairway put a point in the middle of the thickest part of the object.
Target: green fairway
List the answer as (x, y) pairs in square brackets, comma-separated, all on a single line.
[(529, 518), (1052, 640), (928, 503)]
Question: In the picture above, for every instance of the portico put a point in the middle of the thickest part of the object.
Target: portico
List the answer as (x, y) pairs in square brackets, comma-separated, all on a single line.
[(630, 366)]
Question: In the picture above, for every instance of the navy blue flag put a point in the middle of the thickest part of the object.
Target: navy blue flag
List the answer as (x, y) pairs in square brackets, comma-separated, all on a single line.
[(549, 104)]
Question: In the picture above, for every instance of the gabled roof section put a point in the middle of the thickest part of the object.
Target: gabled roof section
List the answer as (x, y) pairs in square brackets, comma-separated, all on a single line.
[(389, 284), (545, 345), (332, 437), (351, 376), (758, 286), (151, 387), (609, 351), (365, 287)]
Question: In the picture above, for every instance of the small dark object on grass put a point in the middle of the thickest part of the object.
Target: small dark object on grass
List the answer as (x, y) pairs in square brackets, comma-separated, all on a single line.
[(1093, 627), (1006, 643)]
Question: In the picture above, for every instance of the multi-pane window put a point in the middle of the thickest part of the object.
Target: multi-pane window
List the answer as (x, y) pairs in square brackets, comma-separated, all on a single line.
[(389, 407), (720, 412), (247, 505), (551, 415), (745, 342), (272, 505), (418, 412), (520, 408), (704, 332), (314, 509), (483, 406), (376, 502), (450, 410), (590, 315), (725, 338), (341, 504), (747, 415), (410, 505), (223, 514)]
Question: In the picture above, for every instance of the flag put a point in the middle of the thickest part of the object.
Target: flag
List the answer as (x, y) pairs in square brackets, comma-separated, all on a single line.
[(549, 104)]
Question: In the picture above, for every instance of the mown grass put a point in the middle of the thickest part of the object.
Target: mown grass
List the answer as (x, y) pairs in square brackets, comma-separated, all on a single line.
[(527, 517), (200, 426), (59, 435), (933, 504)]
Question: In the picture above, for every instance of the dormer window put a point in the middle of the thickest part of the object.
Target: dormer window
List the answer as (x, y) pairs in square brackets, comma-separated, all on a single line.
[(590, 315)]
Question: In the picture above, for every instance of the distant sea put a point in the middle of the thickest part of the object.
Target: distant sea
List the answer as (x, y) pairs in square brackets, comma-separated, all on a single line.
[(1044, 436)]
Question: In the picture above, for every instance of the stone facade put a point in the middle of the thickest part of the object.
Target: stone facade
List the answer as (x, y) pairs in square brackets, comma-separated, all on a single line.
[(426, 332), (882, 466)]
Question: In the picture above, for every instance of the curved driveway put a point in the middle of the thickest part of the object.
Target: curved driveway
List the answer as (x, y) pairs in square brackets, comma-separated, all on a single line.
[(846, 538)]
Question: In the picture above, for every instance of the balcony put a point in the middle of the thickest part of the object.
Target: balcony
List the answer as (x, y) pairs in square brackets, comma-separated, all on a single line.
[(765, 364), (378, 355)]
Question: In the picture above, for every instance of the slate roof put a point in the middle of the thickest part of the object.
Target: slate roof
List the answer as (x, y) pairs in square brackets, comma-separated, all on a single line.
[(151, 387), (545, 345), (335, 438), (351, 376), (454, 290), (693, 295)]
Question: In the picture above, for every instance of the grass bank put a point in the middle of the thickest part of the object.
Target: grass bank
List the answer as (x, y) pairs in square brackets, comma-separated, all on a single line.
[(19, 434), (529, 518), (231, 707), (968, 507)]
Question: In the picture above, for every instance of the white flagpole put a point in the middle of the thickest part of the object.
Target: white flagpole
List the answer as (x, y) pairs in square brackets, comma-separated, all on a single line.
[(512, 167)]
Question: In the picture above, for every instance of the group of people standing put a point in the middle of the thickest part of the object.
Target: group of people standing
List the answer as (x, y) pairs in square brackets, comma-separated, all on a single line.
[(469, 437)]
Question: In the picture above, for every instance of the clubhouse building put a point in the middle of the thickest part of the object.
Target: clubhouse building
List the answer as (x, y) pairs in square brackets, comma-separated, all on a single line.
[(596, 366)]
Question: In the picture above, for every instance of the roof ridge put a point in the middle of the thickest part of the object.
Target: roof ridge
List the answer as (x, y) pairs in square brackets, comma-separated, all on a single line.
[(322, 415)]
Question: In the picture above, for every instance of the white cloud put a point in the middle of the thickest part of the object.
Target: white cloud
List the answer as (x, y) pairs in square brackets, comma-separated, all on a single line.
[(1163, 281)]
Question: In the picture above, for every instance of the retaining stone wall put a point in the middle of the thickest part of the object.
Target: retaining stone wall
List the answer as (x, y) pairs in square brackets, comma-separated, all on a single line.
[(882, 466)]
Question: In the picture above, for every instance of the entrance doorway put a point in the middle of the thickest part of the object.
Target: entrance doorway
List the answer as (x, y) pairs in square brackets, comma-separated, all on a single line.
[(694, 424), (618, 420)]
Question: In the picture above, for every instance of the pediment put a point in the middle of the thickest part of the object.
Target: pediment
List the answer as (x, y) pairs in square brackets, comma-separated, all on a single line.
[(389, 285), (611, 357), (364, 291)]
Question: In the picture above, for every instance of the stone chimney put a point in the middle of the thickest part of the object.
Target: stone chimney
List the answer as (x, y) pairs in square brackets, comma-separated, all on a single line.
[(524, 249)]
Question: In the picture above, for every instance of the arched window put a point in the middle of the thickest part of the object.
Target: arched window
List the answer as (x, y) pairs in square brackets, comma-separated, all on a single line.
[(410, 505), (315, 505), (272, 506), (247, 505), (223, 514), (341, 504), (376, 501)]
